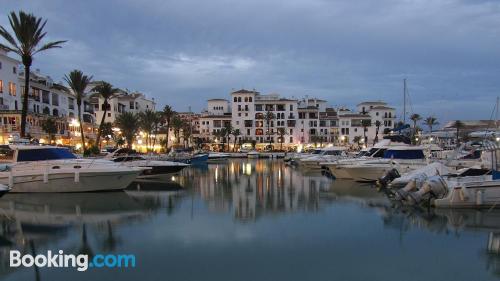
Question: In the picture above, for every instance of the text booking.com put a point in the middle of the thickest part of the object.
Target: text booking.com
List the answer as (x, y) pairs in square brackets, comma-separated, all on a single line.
[(80, 262)]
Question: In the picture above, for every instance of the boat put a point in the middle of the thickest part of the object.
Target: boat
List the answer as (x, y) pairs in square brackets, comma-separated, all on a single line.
[(217, 157), (253, 154), (327, 154), (402, 158), (337, 170), (150, 168), (32, 168)]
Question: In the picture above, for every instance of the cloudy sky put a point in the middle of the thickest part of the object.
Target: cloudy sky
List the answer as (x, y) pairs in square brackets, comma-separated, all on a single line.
[(184, 52)]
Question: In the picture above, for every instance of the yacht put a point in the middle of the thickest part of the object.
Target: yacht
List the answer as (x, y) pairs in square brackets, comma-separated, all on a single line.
[(30, 168), (337, 170), (327, 154), (403, 159), (216, 157), (150, 168)]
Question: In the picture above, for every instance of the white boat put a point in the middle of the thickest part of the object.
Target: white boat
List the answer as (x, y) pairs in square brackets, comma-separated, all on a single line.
[(337, 168), (29, 168), (403, 159), (327, 154), (216, 157), (253, 154), (150, 168)]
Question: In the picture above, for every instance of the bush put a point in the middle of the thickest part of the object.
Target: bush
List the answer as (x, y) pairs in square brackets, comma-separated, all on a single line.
[(93, 150)]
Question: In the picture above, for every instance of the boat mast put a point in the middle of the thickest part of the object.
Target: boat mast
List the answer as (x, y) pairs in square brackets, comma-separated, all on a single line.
[(496, 115), (404, 101)]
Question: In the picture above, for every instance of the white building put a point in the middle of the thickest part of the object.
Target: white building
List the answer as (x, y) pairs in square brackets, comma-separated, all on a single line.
[(122, 102), (10, 97), (294, 122)]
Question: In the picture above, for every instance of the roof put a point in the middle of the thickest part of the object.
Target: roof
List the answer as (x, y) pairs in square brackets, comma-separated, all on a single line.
[(354, 115), (216, 116), (372, 103), (383, 107), (244, 91), (217, 100)]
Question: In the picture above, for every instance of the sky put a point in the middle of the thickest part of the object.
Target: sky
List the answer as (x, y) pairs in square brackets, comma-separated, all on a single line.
[(185, 52)]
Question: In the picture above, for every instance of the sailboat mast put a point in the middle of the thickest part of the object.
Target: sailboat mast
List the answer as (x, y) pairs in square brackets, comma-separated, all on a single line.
[(404, 101), (496, 115)]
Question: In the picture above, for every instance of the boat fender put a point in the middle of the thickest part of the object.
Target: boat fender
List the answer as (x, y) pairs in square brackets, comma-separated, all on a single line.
[(11, 180), (77, 176)]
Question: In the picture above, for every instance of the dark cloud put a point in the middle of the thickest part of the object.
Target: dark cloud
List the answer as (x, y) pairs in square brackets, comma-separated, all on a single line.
[(183, 52)]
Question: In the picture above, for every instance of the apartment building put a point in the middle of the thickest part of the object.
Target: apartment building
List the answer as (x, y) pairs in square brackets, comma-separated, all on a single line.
[(123, 101), (294, 121)]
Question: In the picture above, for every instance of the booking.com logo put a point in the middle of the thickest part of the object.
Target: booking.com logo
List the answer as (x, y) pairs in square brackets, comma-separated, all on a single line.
[(80, 262)]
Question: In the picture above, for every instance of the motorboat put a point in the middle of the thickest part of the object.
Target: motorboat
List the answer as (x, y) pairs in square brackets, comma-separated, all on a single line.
[(253, 154), (31, 168), (327, 154), (337, 170), (402, 158), (150, 168), (217, 157)]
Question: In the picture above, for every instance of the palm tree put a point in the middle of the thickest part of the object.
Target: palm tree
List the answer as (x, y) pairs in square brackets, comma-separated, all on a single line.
[(177, 126), (458, 125), (168, 113), (357, 139), (281, 133), (50, 127), (78, 83), (377, 129), (28, 31), (186, 133), (128, 123), (106, 91), (415, 118), (228, 130), (431, 122), (365, 124), (236, 133), (148, 123), (269, 117)]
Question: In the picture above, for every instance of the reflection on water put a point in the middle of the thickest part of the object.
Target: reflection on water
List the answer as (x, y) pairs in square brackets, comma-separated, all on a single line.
[(251, 220)]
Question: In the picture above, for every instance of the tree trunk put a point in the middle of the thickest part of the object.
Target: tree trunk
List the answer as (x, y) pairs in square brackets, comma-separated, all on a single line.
[(81, 125), (98, 138), (24, 111), (168, 131)]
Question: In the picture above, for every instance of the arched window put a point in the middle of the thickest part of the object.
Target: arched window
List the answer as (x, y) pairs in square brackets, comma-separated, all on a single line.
[(246, 99), (235, 99), (55, 112), (250, 99), (239, 99), (46, 110)]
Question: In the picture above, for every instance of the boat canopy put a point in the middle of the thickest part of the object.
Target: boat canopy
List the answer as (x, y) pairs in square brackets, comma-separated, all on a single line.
[(404, 153), (41, 154)]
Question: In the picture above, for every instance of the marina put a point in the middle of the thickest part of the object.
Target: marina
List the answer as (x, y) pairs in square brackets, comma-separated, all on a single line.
[(289, 223)]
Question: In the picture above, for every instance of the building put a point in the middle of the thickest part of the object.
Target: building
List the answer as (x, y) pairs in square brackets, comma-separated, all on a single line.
[(293, 122)]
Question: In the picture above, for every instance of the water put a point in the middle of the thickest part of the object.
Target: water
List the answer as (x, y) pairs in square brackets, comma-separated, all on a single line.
[(250, 220)]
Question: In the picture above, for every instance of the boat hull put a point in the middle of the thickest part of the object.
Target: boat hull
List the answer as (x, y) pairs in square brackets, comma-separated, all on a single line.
[(69, 182)]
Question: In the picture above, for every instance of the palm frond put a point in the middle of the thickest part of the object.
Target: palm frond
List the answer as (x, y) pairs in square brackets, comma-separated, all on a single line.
[(51, 45)]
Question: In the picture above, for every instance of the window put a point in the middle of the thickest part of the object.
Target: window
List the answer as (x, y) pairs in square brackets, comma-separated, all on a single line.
[(239, 99), (258, 107), (14, 70), (109, 114), (246, 99), (291, 107), (376, 113), (12, 89), (246, 107), (55, 99), (291, 139), (235, 99), (250, 99), (0, 65), (131, 105), (1, 85)]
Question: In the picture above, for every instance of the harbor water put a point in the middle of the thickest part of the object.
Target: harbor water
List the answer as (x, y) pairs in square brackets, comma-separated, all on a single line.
[(250, 220)]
